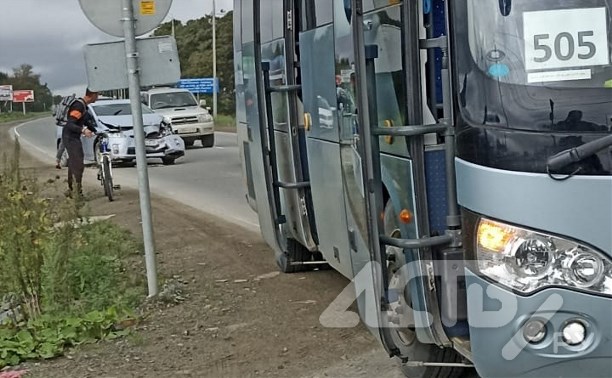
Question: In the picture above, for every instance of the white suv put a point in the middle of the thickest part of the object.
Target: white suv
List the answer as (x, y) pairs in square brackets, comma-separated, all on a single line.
[(186, 117)]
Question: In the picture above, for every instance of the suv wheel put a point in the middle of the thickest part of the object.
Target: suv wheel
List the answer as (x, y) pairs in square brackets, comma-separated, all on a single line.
[(208, 140)]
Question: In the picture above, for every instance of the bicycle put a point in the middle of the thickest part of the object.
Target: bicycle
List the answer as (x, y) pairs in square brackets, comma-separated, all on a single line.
[(105, 167)]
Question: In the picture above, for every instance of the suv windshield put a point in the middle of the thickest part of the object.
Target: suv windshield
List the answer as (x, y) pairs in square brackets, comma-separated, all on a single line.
[(172, 100), (535, 65)]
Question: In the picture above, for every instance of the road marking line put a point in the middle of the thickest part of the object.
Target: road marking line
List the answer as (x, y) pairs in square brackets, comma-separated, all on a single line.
[(22, 139)]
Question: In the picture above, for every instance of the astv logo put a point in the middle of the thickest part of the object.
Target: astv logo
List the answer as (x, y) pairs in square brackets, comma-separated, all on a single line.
[(339, 315)]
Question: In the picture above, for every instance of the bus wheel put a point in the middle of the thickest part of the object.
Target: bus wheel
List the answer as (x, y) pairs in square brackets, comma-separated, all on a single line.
[(295, 253), (404, 334)]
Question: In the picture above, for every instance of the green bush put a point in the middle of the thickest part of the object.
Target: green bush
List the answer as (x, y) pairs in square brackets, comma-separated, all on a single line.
[(66, 282)]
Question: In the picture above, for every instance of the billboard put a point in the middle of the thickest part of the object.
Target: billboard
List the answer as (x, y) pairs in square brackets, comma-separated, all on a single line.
[(6, 93), (26, 95)]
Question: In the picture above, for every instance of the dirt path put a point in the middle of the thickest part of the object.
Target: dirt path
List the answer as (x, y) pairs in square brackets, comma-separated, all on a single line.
[(241, 318)]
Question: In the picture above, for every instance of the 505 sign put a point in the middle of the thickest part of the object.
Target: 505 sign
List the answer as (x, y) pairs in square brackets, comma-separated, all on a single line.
[(565, 38)]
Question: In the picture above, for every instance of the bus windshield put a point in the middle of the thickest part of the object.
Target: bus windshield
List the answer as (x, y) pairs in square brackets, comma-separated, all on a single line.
[(535, 65)]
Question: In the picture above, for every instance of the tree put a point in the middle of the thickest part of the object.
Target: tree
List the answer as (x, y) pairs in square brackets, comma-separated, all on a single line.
[(194, 43), (24, 78)]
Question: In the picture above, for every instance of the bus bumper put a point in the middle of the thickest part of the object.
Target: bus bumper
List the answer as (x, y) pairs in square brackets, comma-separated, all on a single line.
[(497, 319)]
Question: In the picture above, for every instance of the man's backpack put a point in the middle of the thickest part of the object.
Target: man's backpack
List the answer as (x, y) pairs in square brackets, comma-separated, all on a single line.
[(61, 110)]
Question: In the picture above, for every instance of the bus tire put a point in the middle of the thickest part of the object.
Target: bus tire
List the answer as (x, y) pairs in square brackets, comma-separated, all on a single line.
[(295, 253)]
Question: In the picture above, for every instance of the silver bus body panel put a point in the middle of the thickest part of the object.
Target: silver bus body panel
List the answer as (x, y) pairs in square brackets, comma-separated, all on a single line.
[(495, 353), (261, 186), (539, 202), (328, 201)]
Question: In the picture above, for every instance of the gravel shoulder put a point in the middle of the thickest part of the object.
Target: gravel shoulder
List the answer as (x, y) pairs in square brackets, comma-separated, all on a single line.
[(240, 317)]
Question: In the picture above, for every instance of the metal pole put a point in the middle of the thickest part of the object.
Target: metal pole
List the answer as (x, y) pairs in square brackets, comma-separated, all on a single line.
[(24, 112), (139, 136), (214, 48)]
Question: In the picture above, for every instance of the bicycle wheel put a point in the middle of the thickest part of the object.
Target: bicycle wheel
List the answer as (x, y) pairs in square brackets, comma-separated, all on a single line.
[(107, 178)]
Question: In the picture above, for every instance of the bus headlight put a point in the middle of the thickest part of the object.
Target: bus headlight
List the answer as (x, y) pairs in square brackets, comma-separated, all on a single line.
[(527, 260)]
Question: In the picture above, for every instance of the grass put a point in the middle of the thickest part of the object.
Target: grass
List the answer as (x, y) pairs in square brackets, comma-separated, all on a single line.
[(225, 121), (17, 116)]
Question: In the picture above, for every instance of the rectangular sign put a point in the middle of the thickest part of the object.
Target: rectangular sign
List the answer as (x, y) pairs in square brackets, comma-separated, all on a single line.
[(25, 95), (106, 64), (6, 93), (565, 75), (200, 85), (566, 38)]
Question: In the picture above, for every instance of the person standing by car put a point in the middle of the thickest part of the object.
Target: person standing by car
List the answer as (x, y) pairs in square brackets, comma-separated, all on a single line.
[(78, 124)]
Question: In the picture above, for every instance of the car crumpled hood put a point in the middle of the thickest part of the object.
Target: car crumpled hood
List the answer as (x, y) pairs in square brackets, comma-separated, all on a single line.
[(151, 122)]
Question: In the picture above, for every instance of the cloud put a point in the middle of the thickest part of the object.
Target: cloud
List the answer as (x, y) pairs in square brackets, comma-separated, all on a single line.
[(50, 35)]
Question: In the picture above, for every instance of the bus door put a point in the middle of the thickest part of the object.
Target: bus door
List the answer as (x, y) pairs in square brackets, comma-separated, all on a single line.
[(328, 128), (284, 119), (277, 179), (252, 139), (394, 126)]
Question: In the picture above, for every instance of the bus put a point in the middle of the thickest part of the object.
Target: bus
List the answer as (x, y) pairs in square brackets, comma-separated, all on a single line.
[(452, 159)]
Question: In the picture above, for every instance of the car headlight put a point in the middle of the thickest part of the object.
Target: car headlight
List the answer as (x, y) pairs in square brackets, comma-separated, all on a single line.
[(204, 118), (527, 260)]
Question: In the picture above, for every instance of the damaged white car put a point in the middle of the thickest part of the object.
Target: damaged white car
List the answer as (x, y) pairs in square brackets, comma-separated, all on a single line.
[(114, 118)]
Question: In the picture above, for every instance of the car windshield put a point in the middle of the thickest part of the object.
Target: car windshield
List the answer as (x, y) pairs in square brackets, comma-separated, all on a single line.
[(117, 109), (535, 65), (172, 100)]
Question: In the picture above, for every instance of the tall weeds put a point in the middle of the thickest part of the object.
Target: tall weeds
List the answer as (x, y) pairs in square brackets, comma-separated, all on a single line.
[(56, 273)]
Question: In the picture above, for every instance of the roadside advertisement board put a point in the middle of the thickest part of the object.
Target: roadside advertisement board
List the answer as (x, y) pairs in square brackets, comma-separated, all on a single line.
[(6, 93), (26, 95)]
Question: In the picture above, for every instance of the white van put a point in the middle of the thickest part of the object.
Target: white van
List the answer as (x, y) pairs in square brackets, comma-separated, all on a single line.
[(188, 119)]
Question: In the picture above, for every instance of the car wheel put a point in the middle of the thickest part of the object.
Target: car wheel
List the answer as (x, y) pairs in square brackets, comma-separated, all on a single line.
[(168, 160), (208, 141)]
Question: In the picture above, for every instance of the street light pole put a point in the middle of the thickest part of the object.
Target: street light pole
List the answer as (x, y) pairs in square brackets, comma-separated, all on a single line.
[(214, 51)]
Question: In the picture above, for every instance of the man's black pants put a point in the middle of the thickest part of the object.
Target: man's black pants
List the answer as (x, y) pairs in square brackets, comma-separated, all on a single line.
[(75, 162)]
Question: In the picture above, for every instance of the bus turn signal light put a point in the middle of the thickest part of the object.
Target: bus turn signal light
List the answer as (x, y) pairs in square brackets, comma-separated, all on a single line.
[(405, 216), (493, 236)]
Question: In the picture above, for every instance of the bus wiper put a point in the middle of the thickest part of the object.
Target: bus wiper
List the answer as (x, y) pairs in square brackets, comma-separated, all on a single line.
[(576, 154)]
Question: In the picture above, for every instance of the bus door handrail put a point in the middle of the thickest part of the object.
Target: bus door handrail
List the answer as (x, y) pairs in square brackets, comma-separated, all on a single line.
[(292, 185), (426, 242), (280, 218), (410, 130), (284, 88)]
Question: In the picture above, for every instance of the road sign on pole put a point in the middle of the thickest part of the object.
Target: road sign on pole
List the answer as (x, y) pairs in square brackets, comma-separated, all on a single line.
[(158, 62), (107, 15), (200, 85), (117, 17)]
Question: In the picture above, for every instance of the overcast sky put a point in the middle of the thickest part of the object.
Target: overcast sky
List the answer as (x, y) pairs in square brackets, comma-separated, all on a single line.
[(50, 35)]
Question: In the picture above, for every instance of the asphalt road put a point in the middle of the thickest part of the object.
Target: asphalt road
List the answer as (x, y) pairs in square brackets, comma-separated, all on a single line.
[(207, 179)]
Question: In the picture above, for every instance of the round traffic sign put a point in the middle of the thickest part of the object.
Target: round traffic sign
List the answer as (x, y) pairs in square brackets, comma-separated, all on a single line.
[(106, 15)]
